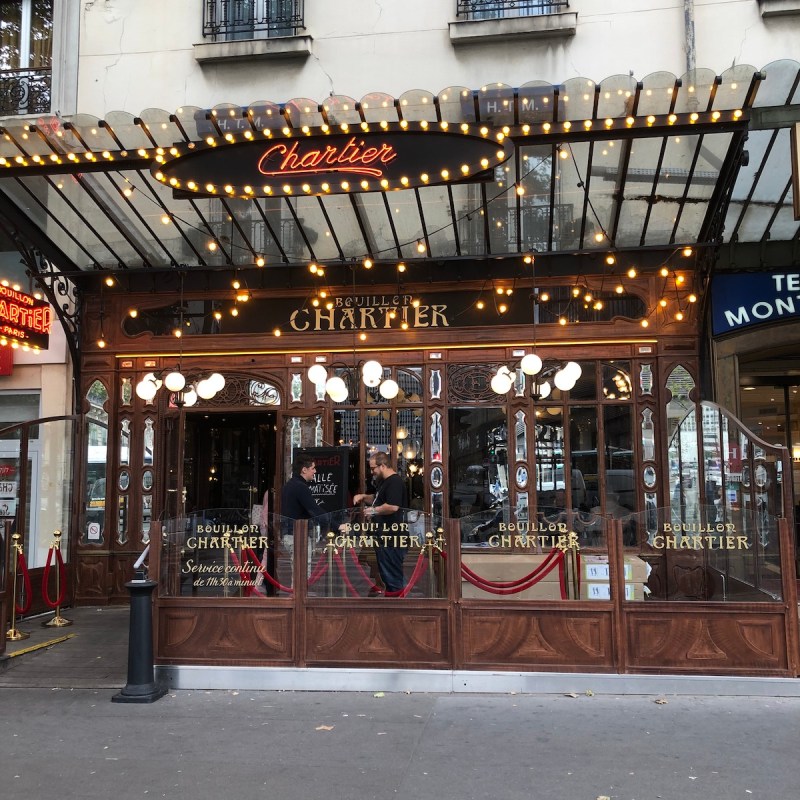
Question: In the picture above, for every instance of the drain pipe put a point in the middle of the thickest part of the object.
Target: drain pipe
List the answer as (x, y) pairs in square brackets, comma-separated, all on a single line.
[(688, 31)]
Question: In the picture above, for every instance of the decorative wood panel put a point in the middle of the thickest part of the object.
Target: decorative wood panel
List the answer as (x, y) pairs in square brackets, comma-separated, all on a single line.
[(92, 579), (385, 634), (533, 639), (230, 635), (707, 641)]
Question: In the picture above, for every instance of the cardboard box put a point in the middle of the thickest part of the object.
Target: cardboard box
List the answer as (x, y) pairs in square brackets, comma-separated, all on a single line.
[(595, 584)]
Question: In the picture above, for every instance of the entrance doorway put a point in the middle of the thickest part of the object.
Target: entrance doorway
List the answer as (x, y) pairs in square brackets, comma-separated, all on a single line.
[(229, 459)]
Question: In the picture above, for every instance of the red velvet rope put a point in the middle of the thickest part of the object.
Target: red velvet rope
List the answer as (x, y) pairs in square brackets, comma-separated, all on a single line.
[(22, 568), (62, 578), (250, 553), (354, 558), (510, 584), (343, 572), (412, 581), (559, 560), (319, 570), (562, 579)]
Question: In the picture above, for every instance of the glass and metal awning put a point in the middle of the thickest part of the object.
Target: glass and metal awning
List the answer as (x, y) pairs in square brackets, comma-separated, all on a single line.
[(622, 164)]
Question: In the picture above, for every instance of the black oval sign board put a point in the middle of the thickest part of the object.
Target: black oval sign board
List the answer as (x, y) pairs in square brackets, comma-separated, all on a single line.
[(331, 163)]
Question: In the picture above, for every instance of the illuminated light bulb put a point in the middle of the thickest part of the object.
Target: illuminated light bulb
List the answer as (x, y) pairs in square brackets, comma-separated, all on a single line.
[(101, 343), (367, 263), (687, 251), (204, 389), (146, 389), (424, 177), (632, 272), (389, 389), (217, 381), (543, 390), (502, 308), (277, 332), (190, 396), (509, 292), (531, 364), (598, 306), (464, 169), (165, 219), (499, 290), (692, 298), (234, 312), (109, 281), (587, 297), (218, 315), (236, 284), (362, 337), (662, 303), (312, 268), (562, 321), (415, 303), (529, 258), (576, 291), (610, 260), (715, 116), (598, 237), (260, 261), (737, 113), (372, 373), (679, 279), (445, 174), (315, 302), (480, 305), (404, 325), (520, 190), (323, 294), (679, 316), (345, 185), (329, 305), (694, 116), (421, 246), (177, 333), (210, 188), (544, 297), (306, 188), (228, 188), (501, 383), (365, 184), (317, 374), (401, 267), (664, 272), (484, 162), (212, 246), (564, 155), (587, 123), (645, 323), (629, 121), (546, 127), (174, 382)]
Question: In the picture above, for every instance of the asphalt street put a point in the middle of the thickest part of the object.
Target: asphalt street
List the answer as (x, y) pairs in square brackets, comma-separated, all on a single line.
[(61, 743)]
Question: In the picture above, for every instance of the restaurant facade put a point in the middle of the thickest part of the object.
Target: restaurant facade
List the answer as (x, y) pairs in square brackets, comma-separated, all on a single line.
[(507, 289)]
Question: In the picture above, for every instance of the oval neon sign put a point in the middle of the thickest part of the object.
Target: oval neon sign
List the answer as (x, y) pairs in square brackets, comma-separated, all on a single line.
[(324, 161)]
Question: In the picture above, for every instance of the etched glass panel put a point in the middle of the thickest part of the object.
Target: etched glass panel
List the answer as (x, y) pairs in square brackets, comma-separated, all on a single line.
[(122, 521), (297, 387), (648, 436), (126, 392), (261, 393), (646, 379), (149, 443), (147, 512), (125, 442), (436, 384), (521, 436), (436, 436), (96, 463)]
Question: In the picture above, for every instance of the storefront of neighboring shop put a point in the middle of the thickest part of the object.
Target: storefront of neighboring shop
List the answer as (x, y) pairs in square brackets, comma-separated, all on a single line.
[(500, 290)]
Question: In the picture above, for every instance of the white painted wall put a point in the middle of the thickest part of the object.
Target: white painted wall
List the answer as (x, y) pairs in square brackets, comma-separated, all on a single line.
[(137, 54)]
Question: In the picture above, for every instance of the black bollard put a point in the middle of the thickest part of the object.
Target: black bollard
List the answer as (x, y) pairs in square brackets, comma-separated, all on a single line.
[(141, 686)]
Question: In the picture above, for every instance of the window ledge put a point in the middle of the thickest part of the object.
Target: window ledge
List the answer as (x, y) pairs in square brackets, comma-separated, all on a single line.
[(253, 49), (779, 8), (545, 26)]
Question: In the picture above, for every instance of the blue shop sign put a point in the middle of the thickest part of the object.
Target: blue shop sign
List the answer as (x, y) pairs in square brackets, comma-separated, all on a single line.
[(743, 300)]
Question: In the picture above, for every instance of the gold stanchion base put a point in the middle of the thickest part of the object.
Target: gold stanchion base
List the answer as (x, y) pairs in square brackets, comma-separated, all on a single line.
[(57, 622), (16, 635)]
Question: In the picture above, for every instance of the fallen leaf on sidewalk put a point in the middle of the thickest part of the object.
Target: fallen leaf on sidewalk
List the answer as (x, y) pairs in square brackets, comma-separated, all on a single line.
[(661, 701), (378, 694), (325, 727), (589, 693), (603, 797), (570, 694)]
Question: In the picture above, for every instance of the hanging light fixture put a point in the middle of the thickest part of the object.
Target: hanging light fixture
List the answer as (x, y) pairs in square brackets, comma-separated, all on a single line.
[(564, 376), (186, 391), (336, 386)]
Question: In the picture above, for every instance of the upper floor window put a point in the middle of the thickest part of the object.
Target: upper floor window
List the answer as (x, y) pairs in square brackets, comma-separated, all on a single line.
[(26, 47), (503, 9), (229, 20)]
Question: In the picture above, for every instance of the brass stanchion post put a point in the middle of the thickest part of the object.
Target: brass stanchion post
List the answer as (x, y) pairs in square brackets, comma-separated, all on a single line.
[(14, 634), (431, 574), (58, 621)]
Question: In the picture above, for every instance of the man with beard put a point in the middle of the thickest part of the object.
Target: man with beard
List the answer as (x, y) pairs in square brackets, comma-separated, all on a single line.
[(387, 508)]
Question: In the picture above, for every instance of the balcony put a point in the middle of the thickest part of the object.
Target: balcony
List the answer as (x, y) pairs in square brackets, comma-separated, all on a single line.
[(779, 8), (24, 91), (505, 20), (246, 30)]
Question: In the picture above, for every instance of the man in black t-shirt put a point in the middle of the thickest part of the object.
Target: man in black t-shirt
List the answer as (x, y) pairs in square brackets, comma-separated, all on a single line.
[(387, 507)]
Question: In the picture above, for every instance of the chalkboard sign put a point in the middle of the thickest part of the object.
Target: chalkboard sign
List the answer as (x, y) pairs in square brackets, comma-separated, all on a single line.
[(332, 486)]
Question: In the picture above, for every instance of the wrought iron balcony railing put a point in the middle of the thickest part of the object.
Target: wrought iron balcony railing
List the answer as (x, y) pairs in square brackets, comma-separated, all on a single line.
[(229, 20), (505, 9), (24, 91)]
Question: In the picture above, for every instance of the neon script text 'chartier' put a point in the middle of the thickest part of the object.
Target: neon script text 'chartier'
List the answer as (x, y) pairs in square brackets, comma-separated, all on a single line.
[(352, 157)]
